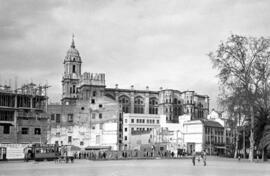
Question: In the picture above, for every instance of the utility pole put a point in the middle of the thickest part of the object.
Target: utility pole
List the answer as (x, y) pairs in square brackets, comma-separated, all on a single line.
[(244, 142), (211, 141)]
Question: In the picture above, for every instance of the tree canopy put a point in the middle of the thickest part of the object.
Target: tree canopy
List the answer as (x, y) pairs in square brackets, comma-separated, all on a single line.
[(244, 72)]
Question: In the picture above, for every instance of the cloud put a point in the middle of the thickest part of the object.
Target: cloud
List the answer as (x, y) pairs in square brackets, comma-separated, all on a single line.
[(153, 42)]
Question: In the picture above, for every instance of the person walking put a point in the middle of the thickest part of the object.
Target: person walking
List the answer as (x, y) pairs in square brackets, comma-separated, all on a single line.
[(193, 157), (204, 157)]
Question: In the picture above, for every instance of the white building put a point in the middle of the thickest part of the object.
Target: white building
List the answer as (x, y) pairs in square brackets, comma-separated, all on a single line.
[(204, 134), (152, 129), (135, 124)]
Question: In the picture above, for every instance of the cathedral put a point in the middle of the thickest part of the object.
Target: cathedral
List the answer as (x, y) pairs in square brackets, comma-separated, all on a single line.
[(88, 107)]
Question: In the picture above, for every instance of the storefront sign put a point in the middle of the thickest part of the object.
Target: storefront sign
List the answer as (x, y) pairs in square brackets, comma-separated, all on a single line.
[(14, 151)]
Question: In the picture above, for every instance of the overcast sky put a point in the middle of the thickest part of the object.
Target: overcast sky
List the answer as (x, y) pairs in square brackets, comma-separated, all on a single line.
[(155, 43)]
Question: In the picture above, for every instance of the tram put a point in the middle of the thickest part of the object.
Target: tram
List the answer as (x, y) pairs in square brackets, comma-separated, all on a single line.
[(41, 152)]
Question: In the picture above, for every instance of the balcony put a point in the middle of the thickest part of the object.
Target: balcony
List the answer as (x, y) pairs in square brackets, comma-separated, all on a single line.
[(33, 115)]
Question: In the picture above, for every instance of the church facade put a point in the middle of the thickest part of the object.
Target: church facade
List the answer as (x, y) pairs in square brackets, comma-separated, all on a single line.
[(86, 102)]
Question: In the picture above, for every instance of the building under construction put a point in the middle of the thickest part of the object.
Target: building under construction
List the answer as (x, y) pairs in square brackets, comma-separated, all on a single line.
[(23, 117)]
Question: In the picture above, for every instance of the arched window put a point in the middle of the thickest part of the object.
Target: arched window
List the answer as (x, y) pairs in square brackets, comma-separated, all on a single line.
[(138, 105), (73, 69), (153, 105), (73, 89), (125, 102)]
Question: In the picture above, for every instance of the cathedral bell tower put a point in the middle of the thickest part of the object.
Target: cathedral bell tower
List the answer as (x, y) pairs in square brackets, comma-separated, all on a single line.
[(72, 75)]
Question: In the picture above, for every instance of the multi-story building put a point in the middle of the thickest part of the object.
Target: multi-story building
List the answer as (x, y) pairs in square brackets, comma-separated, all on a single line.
[(23, 117), (89, 88), (136, 125), (204, 134)]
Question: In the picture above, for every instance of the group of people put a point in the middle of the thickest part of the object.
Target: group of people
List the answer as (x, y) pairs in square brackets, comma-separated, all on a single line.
[(126, 154), (200, 156)]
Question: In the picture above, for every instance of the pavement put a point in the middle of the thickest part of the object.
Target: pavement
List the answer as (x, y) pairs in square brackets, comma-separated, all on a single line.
[(160, 167)]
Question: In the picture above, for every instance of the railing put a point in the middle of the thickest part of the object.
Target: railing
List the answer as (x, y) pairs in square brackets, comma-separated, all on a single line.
[(32, 115)]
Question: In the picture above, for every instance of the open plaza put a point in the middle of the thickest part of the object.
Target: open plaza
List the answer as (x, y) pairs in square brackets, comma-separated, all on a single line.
[(160, 167)]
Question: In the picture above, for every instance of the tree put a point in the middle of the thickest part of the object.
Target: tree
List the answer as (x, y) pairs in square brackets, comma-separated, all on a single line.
[(243, 68)]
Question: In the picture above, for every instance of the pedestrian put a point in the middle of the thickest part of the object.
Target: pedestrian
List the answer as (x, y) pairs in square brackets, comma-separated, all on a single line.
[(193, 157), (204, 157)]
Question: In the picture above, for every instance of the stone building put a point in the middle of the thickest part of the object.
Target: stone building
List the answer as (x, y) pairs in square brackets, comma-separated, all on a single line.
[(23, 117), (108, 104), (172, 103)]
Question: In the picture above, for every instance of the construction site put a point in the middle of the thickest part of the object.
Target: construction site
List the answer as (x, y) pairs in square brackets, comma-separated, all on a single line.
[(23, 114)]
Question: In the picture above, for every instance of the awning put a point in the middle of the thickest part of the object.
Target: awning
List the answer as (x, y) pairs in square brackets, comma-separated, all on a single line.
[(98, 148)]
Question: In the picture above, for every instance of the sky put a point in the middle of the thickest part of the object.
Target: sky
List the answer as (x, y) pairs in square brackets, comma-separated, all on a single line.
[(155, 43)]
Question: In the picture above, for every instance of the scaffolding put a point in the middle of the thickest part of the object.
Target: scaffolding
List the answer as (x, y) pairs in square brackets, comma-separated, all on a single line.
[(29, 102)]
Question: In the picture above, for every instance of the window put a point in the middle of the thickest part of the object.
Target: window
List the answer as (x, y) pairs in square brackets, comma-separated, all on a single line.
[(25, 130), (157, 121), (73, 69), (125, 102), (93, 127), (132, 120), (81, 143), (97, 139), (126, 129), (82, 108), (100, 105), (138, 105), (93, 101), (37, 131), (125, 138), (101, 126), (126, 121), (100, 116), (6, 129), (73, 89), (70, 117), (69, 139), (93, 116), (58, 118), (52, 117), (94, 93), (58, 134)]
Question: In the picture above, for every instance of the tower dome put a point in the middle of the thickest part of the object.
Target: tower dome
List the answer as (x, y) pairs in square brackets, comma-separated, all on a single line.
[(73, 54)]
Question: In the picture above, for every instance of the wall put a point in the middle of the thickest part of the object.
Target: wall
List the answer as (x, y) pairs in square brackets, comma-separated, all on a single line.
[(193, 133), (88, 127)]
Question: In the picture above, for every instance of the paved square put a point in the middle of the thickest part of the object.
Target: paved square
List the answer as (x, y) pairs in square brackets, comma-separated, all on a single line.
[(215, 167)]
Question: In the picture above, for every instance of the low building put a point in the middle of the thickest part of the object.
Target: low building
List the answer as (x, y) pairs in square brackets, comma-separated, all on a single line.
[(204, 134), (222, 117), (138, 125)]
